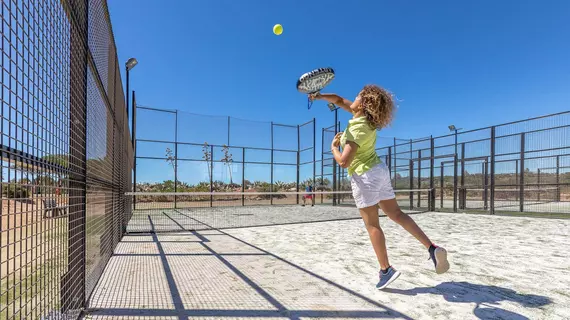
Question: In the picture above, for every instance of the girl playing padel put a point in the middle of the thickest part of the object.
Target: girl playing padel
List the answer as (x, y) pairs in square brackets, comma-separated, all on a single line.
[(373, 109)]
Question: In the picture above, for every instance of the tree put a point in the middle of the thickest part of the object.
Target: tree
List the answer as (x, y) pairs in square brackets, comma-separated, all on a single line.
[(322, 184), (167, 186), (207, 157), (279, 185), (227, 161), (307, 182), (171, 159)]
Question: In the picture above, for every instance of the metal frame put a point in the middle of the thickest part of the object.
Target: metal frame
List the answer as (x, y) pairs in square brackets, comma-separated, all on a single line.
[(64, 140), (496, 149), (298, 150)]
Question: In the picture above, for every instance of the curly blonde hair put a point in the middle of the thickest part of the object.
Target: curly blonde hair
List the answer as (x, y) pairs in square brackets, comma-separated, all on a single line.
[(378, 105)]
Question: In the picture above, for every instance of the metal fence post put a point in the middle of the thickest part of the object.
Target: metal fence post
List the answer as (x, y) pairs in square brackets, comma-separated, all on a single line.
[(314, 156), (243, 176), (442, 182), (522, 177), (271, 181), (333, 160), (431, 175), (455, 182), (134, 199), (322, 161), (463, 193), (558, 178), (395, 164), (485, 185), (72, 282), (492, 198), (338, 174), (389, 160), (419, 177), (175, 159), (298, 159), (411, 164), (211, 175)]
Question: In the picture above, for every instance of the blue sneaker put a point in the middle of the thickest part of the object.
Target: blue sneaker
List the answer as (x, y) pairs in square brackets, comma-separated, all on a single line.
[(439, 257), (387, 278)]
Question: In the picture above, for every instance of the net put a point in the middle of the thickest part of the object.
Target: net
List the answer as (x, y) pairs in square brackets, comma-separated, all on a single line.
[(188, 211)]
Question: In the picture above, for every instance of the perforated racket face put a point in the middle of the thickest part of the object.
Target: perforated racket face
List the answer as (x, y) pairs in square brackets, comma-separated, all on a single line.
[(315, 80)]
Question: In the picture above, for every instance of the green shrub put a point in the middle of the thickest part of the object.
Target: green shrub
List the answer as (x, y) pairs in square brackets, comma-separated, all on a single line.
[(15, 192)]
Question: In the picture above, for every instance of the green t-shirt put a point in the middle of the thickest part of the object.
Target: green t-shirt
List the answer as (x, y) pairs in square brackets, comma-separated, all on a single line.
[(360, 132)]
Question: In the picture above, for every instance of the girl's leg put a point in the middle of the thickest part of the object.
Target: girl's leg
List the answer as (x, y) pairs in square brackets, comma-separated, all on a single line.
[(370, 217), (393, 211), (437, 254), (387, 273)]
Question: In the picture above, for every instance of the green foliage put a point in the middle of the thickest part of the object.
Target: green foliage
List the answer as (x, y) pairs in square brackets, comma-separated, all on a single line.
[(262, 186), (59, 159), (279, 186), (471, 179), (15, 191), (170, 158), (322, 184), (207, 156), (200, 187), (227, 160)]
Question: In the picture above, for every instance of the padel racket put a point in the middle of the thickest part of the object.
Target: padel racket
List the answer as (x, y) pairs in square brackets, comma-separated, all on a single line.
[(314, 81)]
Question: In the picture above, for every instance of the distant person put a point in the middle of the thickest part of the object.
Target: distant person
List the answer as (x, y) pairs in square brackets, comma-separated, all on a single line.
[(372, 110), (309, 195)]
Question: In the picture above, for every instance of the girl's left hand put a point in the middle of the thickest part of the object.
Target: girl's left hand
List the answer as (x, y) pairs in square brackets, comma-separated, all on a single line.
[(336, 140)]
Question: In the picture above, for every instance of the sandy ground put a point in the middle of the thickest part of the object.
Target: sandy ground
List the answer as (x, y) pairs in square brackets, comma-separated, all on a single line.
[(511, 206), (25, 234), (200, 218), (33, 251), (224, 216), (502, 268)]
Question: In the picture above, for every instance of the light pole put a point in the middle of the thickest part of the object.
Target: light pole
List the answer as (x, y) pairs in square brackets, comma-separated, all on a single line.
[(131, 63), (452, 128)]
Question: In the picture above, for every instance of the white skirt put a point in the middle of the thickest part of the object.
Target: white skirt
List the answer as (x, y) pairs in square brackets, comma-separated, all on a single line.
[(372, 186)]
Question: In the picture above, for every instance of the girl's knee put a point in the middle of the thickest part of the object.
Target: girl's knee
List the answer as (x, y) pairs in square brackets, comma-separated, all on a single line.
[(372, 229), (396, 216), (372, 225)]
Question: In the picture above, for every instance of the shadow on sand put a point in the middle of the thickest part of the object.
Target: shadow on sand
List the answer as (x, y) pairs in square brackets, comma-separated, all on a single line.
[(483, 296)]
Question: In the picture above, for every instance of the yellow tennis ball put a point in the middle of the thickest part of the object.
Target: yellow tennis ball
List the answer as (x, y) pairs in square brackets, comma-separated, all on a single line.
[(278, 29)]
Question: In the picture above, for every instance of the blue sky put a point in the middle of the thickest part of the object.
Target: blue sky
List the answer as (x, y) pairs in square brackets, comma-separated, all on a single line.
[(472, 64)]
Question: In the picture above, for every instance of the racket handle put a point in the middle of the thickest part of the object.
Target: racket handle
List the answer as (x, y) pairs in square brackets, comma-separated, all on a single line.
[(309, 103)]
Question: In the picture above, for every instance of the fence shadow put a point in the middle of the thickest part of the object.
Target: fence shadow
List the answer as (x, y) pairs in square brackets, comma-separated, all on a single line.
[(263, 285), (483, 296)]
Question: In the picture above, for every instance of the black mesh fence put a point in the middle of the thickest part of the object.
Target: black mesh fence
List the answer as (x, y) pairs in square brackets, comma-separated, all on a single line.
[(65, 155), (201, 153), (517, 168), (520, 167)]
